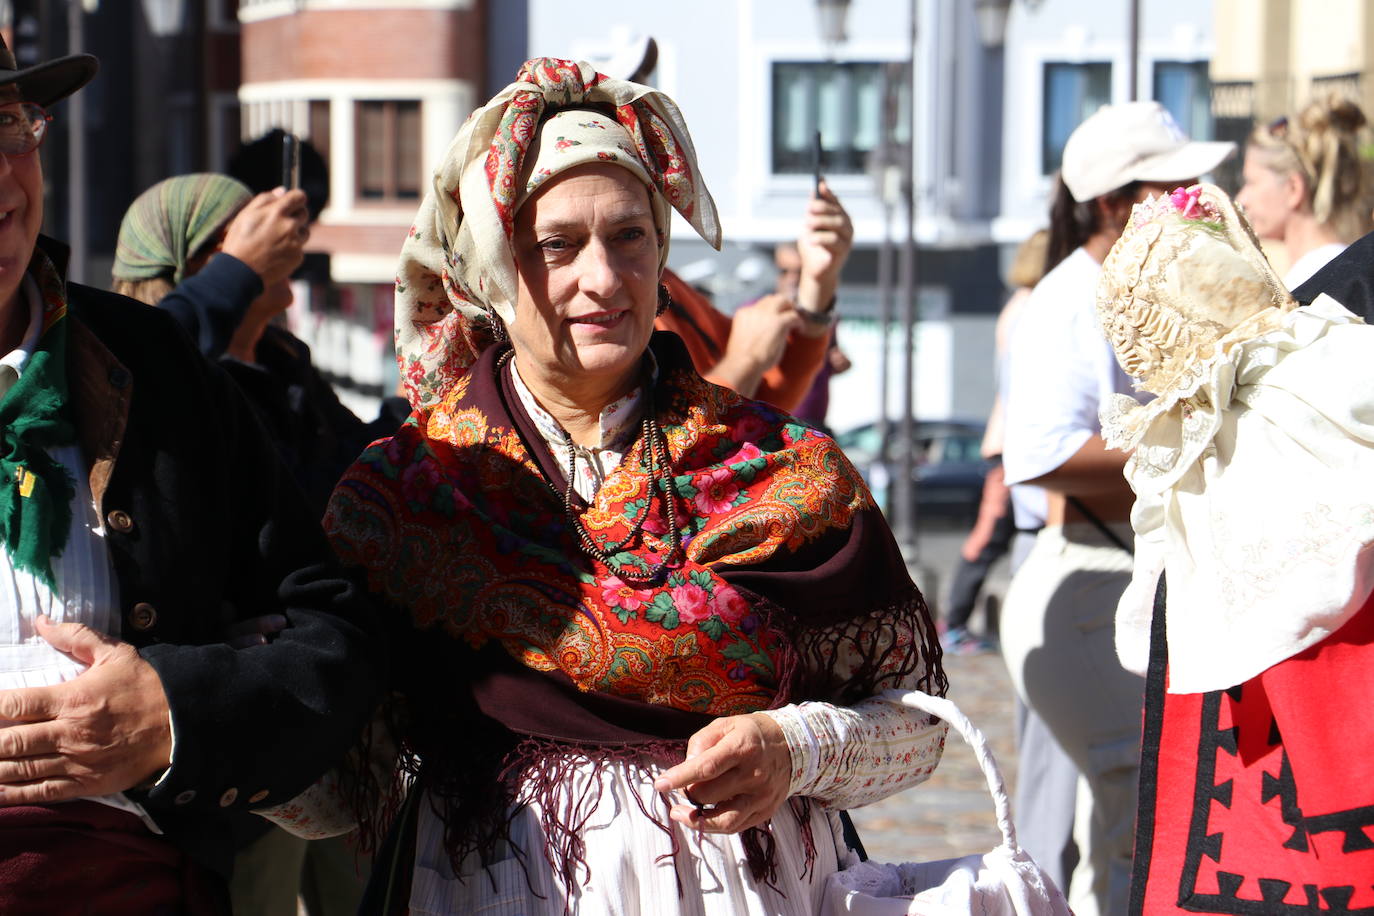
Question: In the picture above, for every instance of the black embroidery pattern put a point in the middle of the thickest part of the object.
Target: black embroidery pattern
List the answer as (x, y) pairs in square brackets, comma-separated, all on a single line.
[(1318, 901)]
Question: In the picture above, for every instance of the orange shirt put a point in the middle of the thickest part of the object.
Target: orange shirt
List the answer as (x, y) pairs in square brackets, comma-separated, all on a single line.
[(705, 330)]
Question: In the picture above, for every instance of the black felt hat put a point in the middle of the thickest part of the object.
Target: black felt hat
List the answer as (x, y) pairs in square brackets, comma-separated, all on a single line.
[(50, 81)]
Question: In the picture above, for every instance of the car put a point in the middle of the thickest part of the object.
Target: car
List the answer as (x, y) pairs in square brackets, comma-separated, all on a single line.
[(949, 467)]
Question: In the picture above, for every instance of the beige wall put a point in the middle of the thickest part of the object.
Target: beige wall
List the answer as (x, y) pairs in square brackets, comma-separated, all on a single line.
[(1282, 45), (1239, 25)]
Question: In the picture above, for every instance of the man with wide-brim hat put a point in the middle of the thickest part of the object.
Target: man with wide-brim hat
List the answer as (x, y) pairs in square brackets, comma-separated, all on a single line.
[(145, 522)]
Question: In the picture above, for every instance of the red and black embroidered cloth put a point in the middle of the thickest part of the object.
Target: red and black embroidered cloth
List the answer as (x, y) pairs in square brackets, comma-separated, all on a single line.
[(1260, 799)]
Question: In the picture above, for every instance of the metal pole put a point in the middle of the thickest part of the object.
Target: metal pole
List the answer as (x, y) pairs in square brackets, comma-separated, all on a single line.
[(904, 491), (884, 341), (1133, 42), (76, 153), (888, 167)]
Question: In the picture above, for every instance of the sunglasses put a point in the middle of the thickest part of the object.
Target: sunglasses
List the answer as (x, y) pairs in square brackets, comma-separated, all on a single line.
[(22, 128)]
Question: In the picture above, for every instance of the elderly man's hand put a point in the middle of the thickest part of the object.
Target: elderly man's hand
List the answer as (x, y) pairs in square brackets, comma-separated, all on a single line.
[(737, 773), (826, 240), (104, 731), (269, 234)]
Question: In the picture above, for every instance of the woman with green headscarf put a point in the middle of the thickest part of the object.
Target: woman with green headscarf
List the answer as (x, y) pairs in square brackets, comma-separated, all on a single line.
[(168, 254), (219, 259)]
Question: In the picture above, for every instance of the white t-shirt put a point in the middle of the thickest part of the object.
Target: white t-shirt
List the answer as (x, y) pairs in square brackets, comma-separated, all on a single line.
[(1304, 267), (1059, 372)]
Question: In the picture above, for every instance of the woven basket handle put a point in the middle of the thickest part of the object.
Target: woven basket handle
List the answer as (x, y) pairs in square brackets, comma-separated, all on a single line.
[(946, 710)]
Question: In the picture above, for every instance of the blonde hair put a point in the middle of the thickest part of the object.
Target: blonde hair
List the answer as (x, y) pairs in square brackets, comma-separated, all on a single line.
[(1028, 266), (149, 292), (1321, 145)]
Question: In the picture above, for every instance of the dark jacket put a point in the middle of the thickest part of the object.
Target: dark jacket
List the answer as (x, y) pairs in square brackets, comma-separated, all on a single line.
[(210, 304), (1348, 278), (317, 436), (205, 528)]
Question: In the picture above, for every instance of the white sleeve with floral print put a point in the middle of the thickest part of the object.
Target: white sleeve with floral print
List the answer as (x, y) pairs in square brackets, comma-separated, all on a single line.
[(849, 756)]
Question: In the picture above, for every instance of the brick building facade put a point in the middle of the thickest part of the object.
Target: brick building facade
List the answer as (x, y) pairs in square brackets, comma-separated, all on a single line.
[(379, 89)]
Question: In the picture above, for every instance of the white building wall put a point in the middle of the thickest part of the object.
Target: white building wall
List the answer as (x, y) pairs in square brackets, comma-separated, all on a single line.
[(716, 63), (1078, 31)]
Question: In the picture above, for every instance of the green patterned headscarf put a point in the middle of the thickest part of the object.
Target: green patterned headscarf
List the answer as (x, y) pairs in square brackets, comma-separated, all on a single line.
[(173, 220)]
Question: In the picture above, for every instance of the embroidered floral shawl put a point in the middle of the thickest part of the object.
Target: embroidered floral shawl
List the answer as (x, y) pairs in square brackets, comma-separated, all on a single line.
[(524, 649)]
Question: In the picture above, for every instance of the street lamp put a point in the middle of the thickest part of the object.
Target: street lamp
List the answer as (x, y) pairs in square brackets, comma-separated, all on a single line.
[(832, 15), (164, 16), (992, 21)]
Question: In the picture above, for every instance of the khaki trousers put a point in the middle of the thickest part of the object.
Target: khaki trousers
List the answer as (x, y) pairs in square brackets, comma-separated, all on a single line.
[(1057, 639)]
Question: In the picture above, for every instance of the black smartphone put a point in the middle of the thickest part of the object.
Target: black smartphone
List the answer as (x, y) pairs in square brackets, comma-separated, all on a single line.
[(816, 161), (290, 161)]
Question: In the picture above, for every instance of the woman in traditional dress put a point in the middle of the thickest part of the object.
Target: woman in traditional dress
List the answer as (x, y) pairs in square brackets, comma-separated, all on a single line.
[(1252, 471), (1305, 184), (603, 564)]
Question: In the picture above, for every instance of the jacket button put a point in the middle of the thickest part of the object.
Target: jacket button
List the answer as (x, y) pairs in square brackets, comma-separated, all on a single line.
[(257, 797), (143, 616), (185, 798), (119, 377), (120, 521), (230, 796)]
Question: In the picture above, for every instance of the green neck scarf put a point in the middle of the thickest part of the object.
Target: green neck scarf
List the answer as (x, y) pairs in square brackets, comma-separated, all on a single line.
[(36, 491)]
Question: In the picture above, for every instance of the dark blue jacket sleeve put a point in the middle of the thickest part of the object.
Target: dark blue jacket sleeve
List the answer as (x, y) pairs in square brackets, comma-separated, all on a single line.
[(211, 303)]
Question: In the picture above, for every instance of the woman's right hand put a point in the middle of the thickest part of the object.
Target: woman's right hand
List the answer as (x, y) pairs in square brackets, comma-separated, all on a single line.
[(737, 773)]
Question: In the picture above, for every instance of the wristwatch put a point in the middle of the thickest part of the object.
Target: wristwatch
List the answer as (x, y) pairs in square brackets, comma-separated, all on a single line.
[(822, 319)]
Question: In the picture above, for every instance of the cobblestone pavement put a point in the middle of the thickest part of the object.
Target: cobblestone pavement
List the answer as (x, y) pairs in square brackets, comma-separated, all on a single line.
[(950, 814)]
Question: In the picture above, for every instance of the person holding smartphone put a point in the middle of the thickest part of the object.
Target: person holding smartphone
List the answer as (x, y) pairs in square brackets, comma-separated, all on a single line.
[(777, 347), (227, 275), (220, 258)]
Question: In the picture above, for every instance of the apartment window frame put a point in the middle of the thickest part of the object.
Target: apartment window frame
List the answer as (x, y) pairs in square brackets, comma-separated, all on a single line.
[(1233, 117), (1057, 125), (1197, 121), (398, 175), (319, 122), (845, 100)]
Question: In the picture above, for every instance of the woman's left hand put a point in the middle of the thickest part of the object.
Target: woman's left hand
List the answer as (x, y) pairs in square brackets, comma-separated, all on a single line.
[(737, 773)]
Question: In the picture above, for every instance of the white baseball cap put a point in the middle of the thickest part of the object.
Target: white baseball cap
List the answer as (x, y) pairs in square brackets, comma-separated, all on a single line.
[(1134, 141)]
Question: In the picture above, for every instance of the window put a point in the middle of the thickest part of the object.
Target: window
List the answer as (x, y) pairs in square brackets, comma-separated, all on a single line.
[(1071, 93), (1186, 90), (1233, 116), (851, 104), (388, 138), (318, 122)]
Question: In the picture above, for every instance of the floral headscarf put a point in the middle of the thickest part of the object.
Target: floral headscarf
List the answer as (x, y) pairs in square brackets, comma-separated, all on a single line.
[(457, 267)]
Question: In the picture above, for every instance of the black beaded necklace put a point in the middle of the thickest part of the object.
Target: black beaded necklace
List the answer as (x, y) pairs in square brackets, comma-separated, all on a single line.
[(660, 479)]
